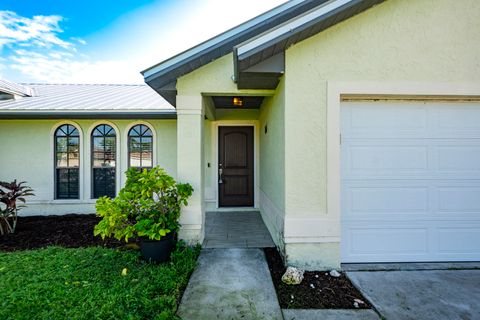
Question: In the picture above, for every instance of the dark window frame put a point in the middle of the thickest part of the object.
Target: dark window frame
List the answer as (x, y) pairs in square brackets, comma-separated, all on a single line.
[(109, 132), (141, 134), (69, 133)]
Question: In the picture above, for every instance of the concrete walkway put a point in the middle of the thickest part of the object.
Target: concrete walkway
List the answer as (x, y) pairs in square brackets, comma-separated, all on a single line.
[(436, 295), (230, 284), (235, 283)]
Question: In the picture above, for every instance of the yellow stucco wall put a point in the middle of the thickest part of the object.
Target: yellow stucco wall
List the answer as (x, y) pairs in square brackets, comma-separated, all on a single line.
[(272, 163), (422, 40), (430, 41), (215, 77), (212, 77), (26, 153)]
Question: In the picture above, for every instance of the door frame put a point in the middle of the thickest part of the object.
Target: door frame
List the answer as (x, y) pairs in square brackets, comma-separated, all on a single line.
[(256, 154)]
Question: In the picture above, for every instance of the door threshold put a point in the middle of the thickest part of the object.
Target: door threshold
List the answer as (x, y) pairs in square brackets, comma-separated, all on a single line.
[(232, 209)]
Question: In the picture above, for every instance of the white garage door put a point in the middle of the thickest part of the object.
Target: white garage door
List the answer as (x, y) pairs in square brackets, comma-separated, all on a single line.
[(410, 181)]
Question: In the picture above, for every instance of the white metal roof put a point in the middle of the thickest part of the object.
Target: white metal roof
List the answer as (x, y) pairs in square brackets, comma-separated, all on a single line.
[(88, 97)]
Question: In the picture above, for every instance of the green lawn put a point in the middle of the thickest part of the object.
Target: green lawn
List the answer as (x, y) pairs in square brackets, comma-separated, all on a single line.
[(87, 283)]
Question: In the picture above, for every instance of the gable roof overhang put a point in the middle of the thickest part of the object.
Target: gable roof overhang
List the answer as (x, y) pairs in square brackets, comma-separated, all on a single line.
[(258, 45), (163, 76), (253, 58)]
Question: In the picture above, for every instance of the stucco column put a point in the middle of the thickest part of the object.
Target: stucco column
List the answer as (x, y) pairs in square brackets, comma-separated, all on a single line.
[(190, 121)]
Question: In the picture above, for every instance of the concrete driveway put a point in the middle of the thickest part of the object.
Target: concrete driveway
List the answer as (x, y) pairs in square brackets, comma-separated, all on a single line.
[(432, 294)]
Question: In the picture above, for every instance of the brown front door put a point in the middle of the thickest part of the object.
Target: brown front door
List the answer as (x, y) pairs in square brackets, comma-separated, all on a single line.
[(235, 166)]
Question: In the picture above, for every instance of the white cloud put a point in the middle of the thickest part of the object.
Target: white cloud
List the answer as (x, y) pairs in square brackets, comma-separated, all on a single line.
[(81, 41), (37, 53), (40, 30), (56, 68)]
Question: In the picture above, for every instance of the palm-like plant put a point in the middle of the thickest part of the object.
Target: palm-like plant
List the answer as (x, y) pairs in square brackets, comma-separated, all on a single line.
[(10, 194)]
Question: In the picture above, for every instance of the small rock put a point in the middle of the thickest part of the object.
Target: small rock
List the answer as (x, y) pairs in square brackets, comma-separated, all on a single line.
[(355, 304), (358, 301), (312, 286), (334, 273), (326, 273), (293, 276)]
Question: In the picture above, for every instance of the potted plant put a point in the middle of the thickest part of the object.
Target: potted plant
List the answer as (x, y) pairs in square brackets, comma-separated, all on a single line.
[(10, 194), (147, 208)]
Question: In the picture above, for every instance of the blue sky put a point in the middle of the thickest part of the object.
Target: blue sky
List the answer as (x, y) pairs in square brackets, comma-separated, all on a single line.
[(107, 41)]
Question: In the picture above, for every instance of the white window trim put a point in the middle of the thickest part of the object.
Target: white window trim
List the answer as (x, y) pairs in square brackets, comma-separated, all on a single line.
[(88, 158), (125, 166), (53, 162)]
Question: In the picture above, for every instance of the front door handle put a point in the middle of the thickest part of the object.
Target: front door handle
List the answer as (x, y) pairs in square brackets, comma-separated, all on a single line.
[(220, 174)]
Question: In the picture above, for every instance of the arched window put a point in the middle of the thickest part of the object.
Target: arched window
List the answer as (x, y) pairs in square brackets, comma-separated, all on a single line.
[(67, 162), (104, 152), (140, 147)]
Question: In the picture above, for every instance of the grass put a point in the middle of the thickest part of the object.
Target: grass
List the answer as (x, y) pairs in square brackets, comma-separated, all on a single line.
[(87, 283)]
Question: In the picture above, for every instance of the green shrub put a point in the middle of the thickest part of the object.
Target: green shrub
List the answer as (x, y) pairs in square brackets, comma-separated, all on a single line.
[(148, 206)]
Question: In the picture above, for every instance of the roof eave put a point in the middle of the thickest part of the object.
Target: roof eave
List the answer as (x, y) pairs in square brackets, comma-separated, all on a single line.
[(11, 115)]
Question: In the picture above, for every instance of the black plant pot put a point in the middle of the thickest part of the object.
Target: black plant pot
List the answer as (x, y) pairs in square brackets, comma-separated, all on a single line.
[(158, 250)]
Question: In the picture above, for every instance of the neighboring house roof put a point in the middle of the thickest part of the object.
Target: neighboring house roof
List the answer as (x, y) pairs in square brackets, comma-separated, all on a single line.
[(87, 101), (263, 38), (16, 89)]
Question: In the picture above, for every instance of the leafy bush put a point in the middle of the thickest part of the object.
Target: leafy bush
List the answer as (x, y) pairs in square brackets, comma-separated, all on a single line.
[(148, 206), (10, 194)]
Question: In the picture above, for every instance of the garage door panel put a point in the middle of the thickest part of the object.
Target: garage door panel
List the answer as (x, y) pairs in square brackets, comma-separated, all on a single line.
[(460, 241), (387, 158), (378, 122), (400, 242), (388, 241), (456, 120), (372, 200), (459, 199), (455, 158), (424, 158), (410, 182), (417, 120)]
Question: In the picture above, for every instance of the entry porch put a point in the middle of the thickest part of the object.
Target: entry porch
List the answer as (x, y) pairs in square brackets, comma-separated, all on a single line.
[(239, 182)]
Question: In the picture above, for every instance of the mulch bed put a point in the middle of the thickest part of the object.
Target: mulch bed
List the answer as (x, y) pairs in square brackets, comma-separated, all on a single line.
[(327, 292), (70, 231)]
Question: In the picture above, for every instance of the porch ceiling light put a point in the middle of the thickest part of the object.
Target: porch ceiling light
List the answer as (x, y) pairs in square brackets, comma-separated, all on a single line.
[(238, 101)]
